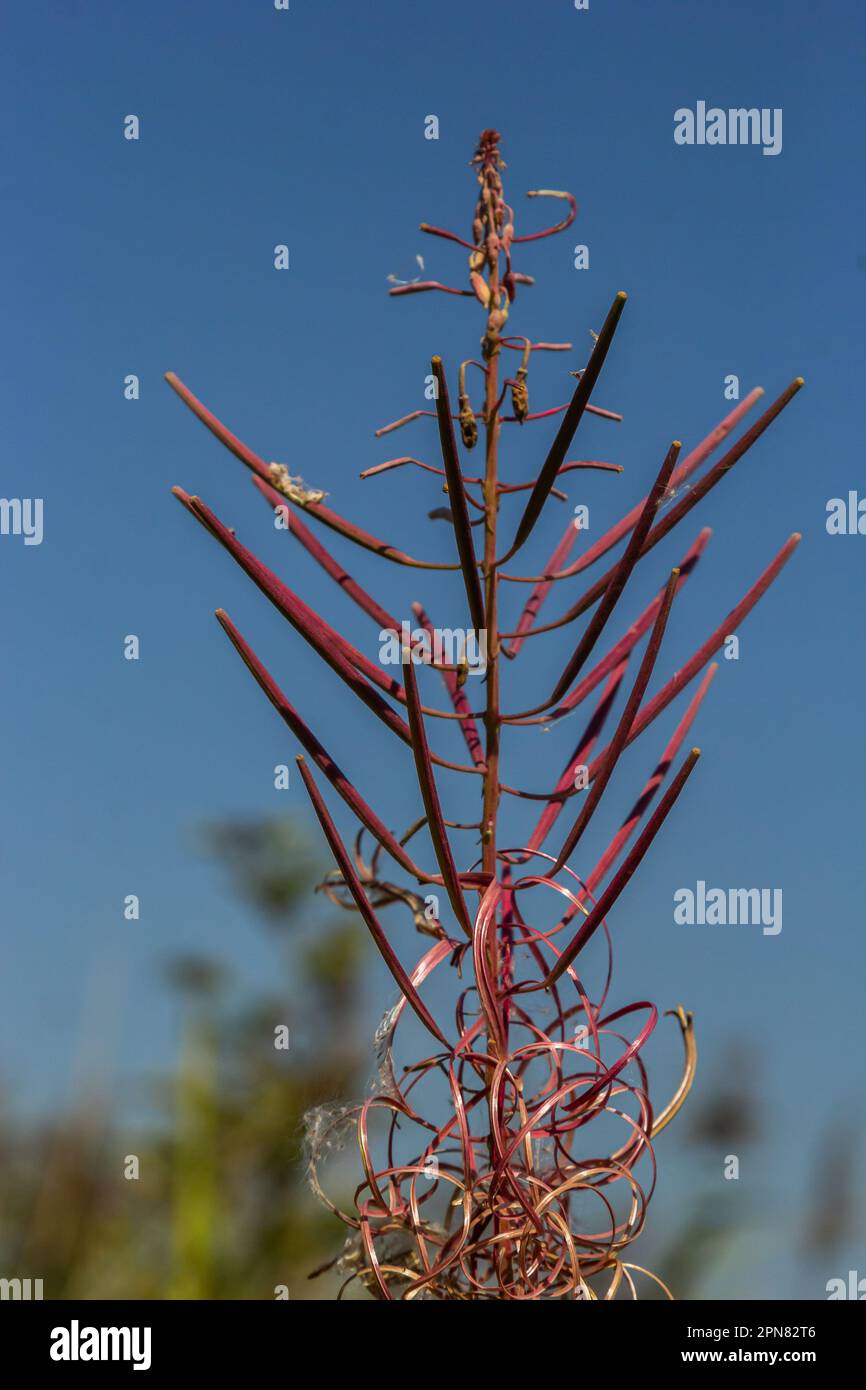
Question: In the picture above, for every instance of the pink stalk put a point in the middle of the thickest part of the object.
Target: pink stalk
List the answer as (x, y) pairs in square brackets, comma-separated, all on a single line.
[(421, 285), (683, 471), (637, 812), (430, 797), (324, 638), (579, 756), (683, 507), (686, 674), (323, 557), (459, 512), (623, 646), (622, 876), (689, 465), (542, 589), (623, 728), (320, 755), (353, 883), (618, 579), (317, 509), (566, 431), (468, 727), (348, 663), (699, 659)]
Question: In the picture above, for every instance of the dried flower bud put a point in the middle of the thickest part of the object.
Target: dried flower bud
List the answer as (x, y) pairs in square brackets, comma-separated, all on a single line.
[(481, 288), (520, 396), (468, 424)]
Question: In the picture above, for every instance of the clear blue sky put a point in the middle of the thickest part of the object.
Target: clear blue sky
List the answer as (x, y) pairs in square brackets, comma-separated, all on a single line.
[(307, 127)]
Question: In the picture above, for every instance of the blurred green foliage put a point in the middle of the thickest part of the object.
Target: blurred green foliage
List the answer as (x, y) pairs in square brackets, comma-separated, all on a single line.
[(221, 1207)]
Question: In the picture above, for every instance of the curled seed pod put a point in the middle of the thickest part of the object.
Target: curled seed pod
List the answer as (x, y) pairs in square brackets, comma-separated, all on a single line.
[(520, 395), (468, 423)]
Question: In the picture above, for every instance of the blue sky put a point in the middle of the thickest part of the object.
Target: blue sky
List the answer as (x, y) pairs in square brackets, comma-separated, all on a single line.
[(307, 128)]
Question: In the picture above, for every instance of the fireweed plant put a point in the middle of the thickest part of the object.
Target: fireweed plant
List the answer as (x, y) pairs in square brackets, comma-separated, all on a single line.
[(513, 1194)]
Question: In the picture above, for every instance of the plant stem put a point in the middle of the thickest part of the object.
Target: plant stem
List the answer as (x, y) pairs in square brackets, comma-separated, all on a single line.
[(490, 204)]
